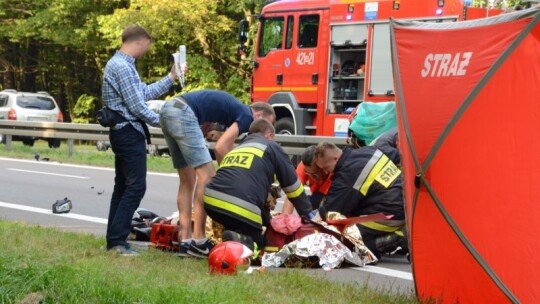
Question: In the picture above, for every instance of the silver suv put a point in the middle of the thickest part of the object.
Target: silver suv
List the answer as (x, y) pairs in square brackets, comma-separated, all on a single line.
[(24, 106)]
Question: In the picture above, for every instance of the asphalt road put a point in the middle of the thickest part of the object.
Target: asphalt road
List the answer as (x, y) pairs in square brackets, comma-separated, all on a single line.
[(29, 188)]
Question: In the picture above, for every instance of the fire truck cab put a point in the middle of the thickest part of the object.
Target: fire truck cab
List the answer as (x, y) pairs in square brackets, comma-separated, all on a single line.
[(316, 60)]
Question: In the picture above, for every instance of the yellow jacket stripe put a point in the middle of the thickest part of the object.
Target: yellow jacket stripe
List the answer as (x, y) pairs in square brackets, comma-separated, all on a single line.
[(252, 150), (367, 169), (373, 174), (295, 190), (271, 249), (382, 227), (373, 170), (233, 205)]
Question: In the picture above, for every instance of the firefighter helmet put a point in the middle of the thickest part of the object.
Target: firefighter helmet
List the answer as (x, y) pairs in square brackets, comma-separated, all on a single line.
[(228, 258)]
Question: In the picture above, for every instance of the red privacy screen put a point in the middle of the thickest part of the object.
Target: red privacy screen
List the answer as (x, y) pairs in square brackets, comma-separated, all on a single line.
[(469, 131)]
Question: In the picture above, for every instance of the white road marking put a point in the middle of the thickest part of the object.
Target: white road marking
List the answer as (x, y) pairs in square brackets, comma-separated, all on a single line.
[(386, 271), (47, 173), (79, 166), (47, 211)]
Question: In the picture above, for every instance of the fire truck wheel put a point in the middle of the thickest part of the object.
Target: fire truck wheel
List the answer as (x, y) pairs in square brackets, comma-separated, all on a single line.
[(285, 126)]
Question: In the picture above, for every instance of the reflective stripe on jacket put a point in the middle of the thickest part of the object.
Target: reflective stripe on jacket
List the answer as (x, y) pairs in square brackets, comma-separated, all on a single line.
[(242, 182), (365, 181)]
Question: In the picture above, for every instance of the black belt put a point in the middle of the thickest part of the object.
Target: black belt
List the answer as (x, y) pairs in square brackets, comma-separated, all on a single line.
[(119, 119)]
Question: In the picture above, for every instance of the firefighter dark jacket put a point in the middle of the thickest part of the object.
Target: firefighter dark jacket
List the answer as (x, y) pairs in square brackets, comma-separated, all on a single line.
[(244, 178), (366, 181)]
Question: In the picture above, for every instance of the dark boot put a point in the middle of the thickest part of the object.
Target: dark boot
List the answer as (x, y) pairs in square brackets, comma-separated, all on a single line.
[(393, 243), (387, 243), (246, 240)]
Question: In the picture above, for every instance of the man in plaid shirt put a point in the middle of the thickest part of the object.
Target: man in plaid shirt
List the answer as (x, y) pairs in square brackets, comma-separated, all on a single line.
[(125, 93)]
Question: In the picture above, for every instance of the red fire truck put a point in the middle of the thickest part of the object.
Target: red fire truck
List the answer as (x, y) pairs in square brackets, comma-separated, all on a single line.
[(316, 60)]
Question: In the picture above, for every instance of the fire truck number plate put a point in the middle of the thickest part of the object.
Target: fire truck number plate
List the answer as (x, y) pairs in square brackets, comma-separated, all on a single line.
[(305, 58)]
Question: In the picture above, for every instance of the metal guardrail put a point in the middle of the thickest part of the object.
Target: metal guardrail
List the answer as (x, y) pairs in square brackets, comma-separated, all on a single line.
[(292, 144)]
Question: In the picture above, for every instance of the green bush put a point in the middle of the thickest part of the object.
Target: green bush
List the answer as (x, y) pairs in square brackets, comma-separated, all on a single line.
[(84, 109)]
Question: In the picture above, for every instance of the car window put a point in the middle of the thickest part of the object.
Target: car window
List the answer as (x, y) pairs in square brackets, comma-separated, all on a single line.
[(3, 100), (35, 102)]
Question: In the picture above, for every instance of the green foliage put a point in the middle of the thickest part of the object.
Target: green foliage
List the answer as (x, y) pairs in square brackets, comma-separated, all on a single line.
[(62, 46), (498, 3), (208, 35), (237, 86), (53, 46), (84, 109)]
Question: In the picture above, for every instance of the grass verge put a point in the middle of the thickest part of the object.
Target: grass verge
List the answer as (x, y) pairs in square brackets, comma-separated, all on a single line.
[(46, 265), (83, 154)]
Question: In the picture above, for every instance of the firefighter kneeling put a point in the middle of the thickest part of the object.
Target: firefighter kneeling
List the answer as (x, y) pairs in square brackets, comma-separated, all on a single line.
[(366, 181), (237, 194)]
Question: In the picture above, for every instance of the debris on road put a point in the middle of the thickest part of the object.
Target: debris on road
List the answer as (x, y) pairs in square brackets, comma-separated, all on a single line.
[(62, 206)]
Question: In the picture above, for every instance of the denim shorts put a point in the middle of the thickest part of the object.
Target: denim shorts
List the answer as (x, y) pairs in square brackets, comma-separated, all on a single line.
[(183, 135)]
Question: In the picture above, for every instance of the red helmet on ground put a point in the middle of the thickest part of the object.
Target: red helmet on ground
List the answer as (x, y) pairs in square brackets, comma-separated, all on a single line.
[(228, 258)]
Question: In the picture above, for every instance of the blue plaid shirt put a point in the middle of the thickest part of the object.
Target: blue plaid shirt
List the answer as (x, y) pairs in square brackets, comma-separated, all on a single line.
[(124, 92)]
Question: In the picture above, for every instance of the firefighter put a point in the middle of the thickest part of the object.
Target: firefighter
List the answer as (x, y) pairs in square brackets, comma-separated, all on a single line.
[(366, 181), (236, 195), (310, 174)]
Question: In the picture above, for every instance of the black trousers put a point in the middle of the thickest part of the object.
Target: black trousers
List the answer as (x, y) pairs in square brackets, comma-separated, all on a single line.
[(377, 240), (129, 147)]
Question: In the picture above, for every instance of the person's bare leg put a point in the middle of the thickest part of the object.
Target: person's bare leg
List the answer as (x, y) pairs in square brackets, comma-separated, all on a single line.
[(204, 175), (185, 201)]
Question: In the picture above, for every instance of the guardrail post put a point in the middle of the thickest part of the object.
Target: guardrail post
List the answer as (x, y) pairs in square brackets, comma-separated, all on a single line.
[(70, 147), (8, 142)]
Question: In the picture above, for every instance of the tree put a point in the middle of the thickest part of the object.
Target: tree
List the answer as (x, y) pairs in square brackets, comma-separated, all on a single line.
[(207, 28), (53, 46), (62, 46)]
